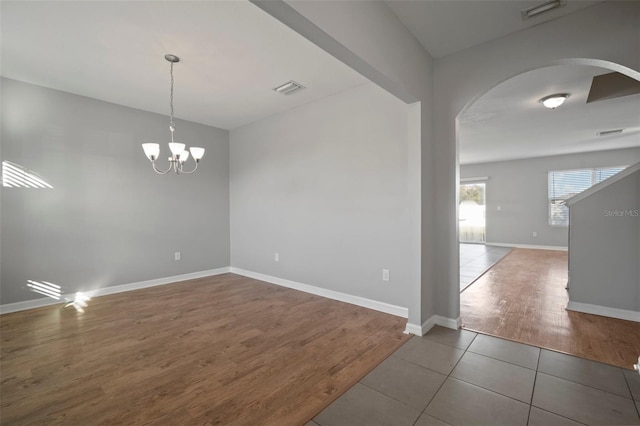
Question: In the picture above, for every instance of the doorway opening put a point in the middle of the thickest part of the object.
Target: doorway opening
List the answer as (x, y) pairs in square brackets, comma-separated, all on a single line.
[(515, 297), (472, 213)]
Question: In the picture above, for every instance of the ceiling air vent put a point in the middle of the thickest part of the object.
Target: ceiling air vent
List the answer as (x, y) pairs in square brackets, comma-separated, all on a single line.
[(610, 132), (289, 87), (541, 8)]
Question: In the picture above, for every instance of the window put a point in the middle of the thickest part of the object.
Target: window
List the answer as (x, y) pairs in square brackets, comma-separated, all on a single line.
[(564, 184)]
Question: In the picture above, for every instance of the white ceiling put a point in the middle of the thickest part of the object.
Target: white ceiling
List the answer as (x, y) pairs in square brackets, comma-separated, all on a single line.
[(508, 122), (232, 55), (445, 27)]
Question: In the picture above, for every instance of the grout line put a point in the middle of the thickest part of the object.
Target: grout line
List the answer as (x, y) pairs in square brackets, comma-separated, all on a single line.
[(501, 360), (417, 365), (559, 415), (482, 387), (534, 383), (586, 385), (385, 395), (533, 389), (581, 384), (464, 352), (637, 406), (490, 390), (424, 411)]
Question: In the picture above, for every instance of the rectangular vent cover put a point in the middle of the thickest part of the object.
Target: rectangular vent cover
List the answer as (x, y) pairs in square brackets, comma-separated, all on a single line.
[(289, 87), (541, 8), (610, 132)]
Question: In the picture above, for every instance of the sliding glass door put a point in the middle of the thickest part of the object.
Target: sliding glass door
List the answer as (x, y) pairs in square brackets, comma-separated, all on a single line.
[(472, 213)]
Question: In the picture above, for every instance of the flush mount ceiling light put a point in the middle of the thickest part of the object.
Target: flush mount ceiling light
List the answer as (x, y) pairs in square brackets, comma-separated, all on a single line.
[(178, 153), (289, 87), (541, 8), (554, 101)]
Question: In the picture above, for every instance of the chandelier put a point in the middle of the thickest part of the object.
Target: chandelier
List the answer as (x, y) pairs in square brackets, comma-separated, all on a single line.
[(179, 155)]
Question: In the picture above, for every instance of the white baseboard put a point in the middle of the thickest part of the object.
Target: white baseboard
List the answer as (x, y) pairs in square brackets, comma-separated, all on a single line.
[(527, 246), (415, 329), (604, 311), (329, 294), (47, 301), (421, 330), (452, 323)]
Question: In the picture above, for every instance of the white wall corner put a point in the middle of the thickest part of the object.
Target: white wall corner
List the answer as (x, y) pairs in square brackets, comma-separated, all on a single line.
[(421, 330), (47, 301), (387, 308), (417, 330), (604, 311)]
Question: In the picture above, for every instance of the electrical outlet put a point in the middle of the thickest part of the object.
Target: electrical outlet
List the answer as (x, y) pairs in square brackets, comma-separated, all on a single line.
[(177, 256), (535, 234), (499, 208), (385, 275), (276, 257)]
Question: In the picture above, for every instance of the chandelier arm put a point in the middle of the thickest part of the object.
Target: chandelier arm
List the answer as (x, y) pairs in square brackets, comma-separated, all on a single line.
[(182, 172), (160, 172)]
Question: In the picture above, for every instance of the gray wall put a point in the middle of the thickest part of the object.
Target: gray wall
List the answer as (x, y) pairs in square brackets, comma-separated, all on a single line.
[(369, 38), (605, 246), (327, 186), (109, 219), (520, 188)]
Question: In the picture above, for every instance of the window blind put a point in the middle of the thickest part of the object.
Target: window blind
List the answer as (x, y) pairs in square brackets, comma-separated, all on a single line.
[(564, 184)]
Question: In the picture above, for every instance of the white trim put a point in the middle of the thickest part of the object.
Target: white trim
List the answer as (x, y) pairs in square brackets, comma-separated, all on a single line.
[(452, 323), (527, 246), (28, 304), (329, 294), (421, 330), (37, 303), (474, 179), (604, 311), (414, 329)]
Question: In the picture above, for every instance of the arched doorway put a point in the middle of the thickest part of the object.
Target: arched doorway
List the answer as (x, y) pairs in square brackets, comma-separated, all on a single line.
[(508, 138)]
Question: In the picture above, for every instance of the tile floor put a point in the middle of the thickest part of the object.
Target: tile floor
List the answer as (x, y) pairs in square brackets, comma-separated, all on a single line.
[(451, 377), (475, 259)]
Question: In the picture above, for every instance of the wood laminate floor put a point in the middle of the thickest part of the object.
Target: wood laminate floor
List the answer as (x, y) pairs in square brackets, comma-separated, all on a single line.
[(219, 350), (523, 298)]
